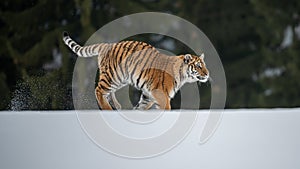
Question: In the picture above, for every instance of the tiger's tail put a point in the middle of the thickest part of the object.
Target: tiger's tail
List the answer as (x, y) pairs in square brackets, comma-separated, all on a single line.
[(86, 51)]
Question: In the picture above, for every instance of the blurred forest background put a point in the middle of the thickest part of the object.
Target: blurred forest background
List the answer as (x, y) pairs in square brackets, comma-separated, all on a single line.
[(258, 42)]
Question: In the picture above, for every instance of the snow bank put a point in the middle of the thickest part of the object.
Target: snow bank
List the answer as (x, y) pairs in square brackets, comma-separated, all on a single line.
[(245, 138)]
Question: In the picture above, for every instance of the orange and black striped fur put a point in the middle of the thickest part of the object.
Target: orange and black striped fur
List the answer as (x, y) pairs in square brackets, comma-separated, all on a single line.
[(139, 64)]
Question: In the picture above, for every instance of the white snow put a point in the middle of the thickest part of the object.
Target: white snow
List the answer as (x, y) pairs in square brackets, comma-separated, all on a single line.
[(288, 37), (56, 62), (245, 138), (272, 72)]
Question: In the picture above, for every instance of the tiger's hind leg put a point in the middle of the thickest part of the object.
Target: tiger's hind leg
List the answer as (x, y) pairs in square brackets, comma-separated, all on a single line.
[(111, 97), (145, 103), (101, 96)]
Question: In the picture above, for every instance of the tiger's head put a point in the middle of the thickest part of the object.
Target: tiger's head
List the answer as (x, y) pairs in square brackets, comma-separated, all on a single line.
[(196, 69)]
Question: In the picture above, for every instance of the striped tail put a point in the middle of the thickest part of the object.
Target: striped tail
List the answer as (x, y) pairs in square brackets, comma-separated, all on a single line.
[(86, 51)]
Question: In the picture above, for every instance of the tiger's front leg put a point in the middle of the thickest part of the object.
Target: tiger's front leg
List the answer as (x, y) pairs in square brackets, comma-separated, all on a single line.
[(161, 98)]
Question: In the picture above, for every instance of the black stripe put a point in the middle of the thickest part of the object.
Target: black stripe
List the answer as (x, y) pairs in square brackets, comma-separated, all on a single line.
[(137, 62), (129, 43), (126, 60), (93, 49), (118, 62), (143, 84), (150, 67), (116, 49), (122, 46), (85, 51), (179, 72), (110, 75), (156, 86), (105, 81), (72, 44), (104, 49), (164, 73), (80, 51), (126, 50), (114, 63), (109, 78), (89, 50), (138, 80), (132, 54), (68, 40), (148, 70), (103, 87), (133, 48), (174, 86), (150, 81), (111, 71), (76, 48)]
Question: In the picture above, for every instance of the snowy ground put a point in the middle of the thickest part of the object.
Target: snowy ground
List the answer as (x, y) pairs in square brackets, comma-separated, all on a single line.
[(245, 138)]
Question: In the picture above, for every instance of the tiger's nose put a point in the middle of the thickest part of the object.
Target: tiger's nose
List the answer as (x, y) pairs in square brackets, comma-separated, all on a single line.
[(205, 74)]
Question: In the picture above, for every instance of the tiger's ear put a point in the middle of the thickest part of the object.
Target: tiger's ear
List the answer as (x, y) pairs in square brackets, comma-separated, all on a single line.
[(187, 58), (202, 56)]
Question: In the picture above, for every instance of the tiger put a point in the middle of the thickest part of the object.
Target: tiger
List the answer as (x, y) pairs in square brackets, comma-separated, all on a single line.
[(141, 65)]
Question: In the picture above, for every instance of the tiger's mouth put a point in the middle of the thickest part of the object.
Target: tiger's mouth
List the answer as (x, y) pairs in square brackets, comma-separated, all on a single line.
[(202, 79)]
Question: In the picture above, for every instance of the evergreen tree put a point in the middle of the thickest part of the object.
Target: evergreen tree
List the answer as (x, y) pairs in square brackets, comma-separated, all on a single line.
[(278, 26), (258, 42)]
